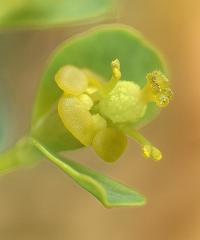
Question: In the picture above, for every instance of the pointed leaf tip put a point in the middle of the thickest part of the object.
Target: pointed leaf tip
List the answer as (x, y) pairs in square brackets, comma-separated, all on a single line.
[(109, 192)]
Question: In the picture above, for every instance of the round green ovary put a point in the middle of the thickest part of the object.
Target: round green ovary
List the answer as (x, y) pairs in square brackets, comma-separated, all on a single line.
[(123, 103)]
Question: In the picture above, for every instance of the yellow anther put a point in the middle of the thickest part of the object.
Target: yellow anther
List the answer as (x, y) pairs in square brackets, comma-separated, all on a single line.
[(162, 101), (116, 69), (156, 154), (71, 80), (116, 76), (115, 64), (150, 151), (157, 89), (147, 151), (157, 80)]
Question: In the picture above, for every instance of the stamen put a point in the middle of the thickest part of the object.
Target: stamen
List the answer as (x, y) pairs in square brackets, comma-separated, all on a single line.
[(156, 154), (147, 148), (150, 151), (116, 76), (157, 89), (116, 69)]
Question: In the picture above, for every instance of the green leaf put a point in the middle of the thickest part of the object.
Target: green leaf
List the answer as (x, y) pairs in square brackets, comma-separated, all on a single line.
[(95, 50), (23, 153), (110, 193), (34, 13)]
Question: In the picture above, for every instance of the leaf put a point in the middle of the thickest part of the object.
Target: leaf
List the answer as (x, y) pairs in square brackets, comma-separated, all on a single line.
[(23, 153), (95, 50), (35, 13), (110, 193)]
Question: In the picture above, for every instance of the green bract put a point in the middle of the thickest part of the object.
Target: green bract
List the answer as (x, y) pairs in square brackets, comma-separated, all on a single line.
[(93, 50), (34, 13)]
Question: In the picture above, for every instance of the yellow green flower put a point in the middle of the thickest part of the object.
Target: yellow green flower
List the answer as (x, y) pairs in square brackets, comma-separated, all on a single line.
[(102, 114)]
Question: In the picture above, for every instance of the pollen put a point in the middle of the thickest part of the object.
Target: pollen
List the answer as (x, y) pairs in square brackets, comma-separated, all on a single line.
[(151, 151), (158, 89)]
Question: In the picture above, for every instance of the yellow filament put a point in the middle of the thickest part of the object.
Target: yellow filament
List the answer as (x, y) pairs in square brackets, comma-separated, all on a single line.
[(116, 75)]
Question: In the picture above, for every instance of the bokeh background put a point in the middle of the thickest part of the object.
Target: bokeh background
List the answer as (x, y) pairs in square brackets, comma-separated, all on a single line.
[(43, 203)]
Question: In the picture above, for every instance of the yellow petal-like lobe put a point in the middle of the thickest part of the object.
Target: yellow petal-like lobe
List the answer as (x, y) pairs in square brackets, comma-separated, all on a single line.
[(71, 80), (109, 144), (94, 80), (77, 119), (99, 122), (86, 100)]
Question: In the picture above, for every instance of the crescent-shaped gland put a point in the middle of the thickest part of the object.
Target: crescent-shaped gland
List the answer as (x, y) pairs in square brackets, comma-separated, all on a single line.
[(71, 80), (77, 119), (109, 144), (95, 81)]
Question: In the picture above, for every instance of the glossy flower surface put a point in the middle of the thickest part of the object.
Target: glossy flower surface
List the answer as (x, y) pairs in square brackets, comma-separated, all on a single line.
[(101, 114)]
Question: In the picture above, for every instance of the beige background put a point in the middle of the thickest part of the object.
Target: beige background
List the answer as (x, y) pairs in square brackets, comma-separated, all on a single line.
[(44, 204)]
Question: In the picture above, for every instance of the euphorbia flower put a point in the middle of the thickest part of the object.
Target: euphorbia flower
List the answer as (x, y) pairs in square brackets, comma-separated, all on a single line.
[(102, 114)]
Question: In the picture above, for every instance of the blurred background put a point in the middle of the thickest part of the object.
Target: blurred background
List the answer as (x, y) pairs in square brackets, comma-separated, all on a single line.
[(43, 203)]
